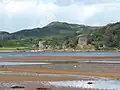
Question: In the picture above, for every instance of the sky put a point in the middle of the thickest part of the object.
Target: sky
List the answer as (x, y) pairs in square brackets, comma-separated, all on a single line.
[(16, 15)]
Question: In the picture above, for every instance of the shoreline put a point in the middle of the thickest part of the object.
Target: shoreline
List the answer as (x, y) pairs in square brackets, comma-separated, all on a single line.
[(59, 50)]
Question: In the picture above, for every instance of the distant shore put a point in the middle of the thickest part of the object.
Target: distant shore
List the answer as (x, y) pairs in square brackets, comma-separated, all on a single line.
[(59, 50)]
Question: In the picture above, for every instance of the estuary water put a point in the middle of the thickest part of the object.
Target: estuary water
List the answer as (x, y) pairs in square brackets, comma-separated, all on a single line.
[(23, 63), (55, 62), (59, 53), (97, 85)]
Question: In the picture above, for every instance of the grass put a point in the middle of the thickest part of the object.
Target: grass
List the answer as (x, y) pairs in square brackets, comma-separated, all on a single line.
[(8, 48), (11, 48)]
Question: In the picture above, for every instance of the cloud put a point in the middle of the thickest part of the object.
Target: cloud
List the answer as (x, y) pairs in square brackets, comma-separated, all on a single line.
[(26, 14), (85, 2), (19, 14), (109, 13), (64, 3), (93, 1)]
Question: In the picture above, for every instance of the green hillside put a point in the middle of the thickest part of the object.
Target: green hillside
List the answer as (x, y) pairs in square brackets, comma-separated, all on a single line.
[(107, 36), (54, 29), (59, 34)]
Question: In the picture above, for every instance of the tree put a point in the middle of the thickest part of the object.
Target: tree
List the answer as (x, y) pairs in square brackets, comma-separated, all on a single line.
[(1, 45)]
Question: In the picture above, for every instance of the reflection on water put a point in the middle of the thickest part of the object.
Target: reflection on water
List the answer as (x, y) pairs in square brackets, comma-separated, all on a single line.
[(99, 84), (58, 62), (104, 62), (22, 63)]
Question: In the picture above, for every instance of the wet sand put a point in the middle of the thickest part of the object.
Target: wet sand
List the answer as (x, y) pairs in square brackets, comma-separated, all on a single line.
[(33, 78), (104, 70), (87, 69), (107, 70)]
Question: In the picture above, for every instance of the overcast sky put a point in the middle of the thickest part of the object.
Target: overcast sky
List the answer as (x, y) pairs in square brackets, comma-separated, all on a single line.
[(20, 14)]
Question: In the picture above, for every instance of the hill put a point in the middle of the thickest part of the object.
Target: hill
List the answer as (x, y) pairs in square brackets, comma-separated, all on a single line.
[(54, 29), (29, 37), (106, 36), (59, 33)]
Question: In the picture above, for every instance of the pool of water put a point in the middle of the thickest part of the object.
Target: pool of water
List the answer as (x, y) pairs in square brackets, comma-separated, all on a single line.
[(60, 53), (101, 83), (23, 63), (97, 84), (104, 62), (56, 62)]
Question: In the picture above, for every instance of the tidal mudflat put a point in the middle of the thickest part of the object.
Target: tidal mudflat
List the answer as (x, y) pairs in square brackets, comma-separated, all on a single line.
[(60, 72), (61, 75)]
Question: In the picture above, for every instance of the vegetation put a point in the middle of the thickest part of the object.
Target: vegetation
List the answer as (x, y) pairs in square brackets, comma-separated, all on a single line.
[(54, 29), (61, 35), (107, 37)]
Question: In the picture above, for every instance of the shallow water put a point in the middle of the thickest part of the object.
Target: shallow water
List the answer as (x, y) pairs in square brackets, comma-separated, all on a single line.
[(99, 84), (57, 62), (104, 62), (60, 53), (23, 63)]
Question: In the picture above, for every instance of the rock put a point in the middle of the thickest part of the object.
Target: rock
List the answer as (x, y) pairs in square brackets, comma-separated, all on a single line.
[(17, 87), (90, 83), (42, 88)]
